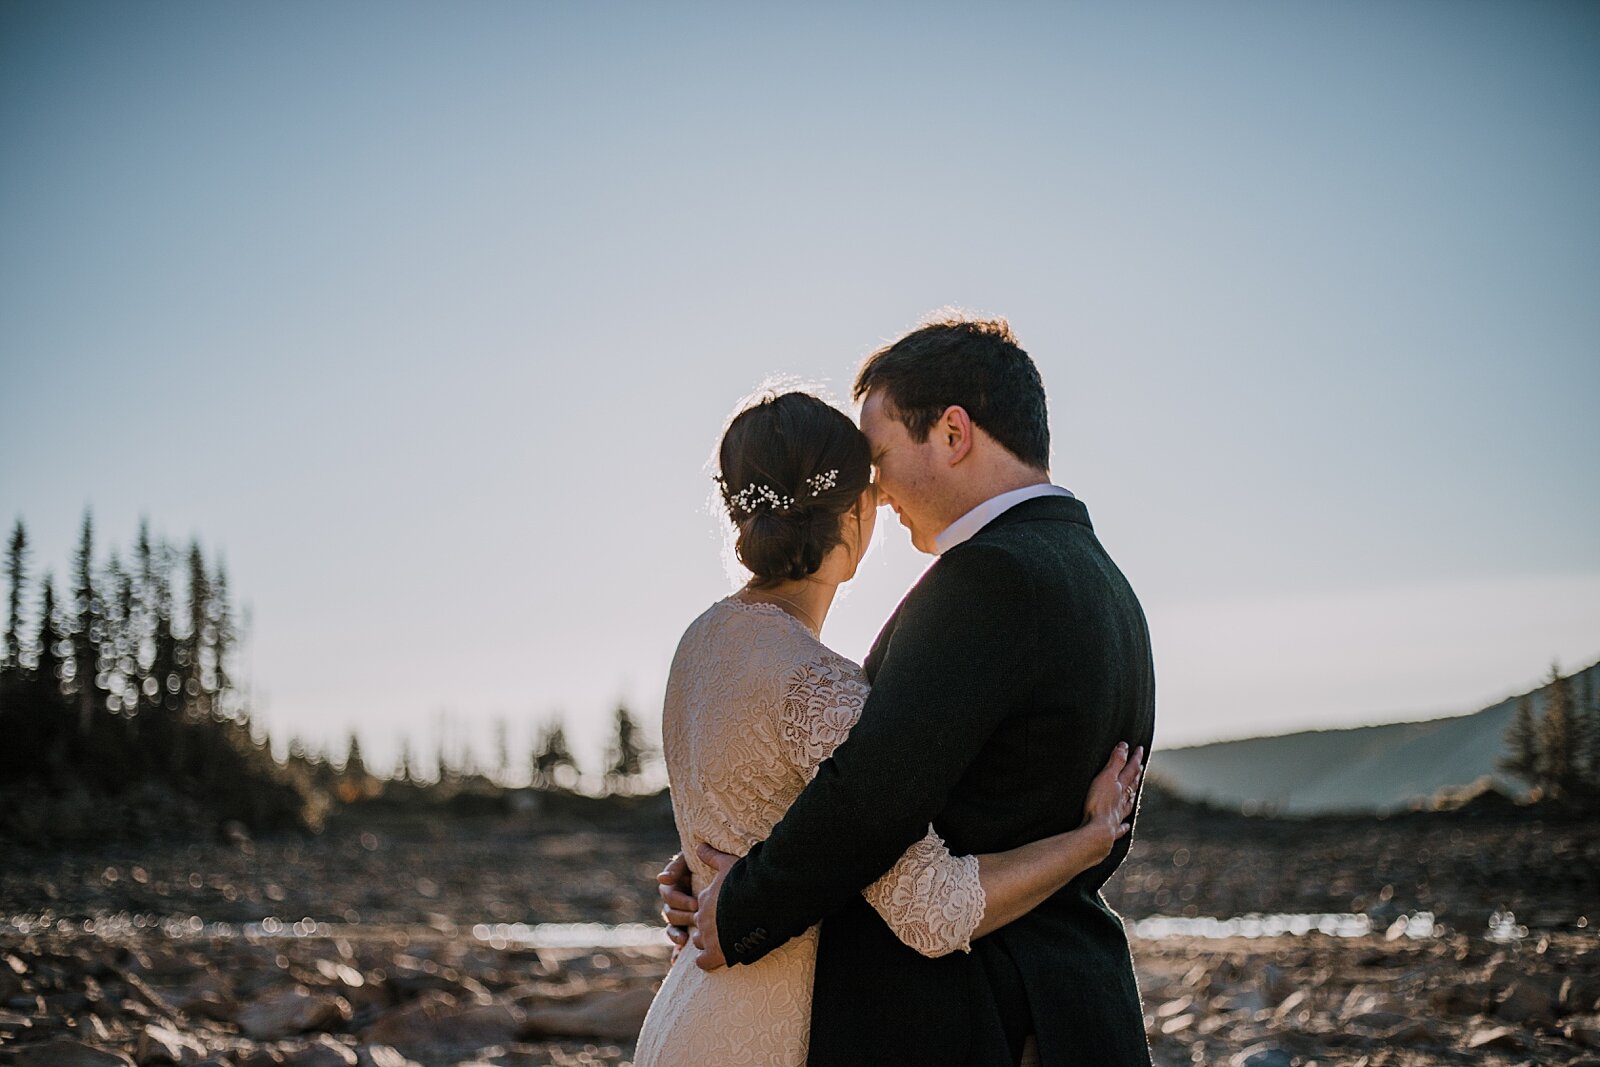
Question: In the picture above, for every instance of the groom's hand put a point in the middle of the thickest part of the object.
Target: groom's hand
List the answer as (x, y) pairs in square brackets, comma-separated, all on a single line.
[(705, 929), (678, 902)]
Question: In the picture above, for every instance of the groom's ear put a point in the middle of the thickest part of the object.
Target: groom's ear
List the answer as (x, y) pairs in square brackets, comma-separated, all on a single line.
[(954, 434)]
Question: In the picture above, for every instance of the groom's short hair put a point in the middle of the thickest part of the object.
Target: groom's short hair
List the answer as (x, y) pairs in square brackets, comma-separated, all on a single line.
[(975, 364)]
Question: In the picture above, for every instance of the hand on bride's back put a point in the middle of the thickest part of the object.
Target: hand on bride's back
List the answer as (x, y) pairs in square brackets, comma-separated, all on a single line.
[(1112, 795)]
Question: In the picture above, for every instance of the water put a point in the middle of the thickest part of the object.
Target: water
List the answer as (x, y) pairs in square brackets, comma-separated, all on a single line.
[(1418, 926)]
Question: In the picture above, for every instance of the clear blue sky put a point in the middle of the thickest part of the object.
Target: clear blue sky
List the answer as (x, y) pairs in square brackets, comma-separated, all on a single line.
[(426, 316)]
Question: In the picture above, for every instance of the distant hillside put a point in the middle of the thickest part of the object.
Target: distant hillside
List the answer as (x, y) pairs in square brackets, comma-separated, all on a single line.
[(1369, 768)]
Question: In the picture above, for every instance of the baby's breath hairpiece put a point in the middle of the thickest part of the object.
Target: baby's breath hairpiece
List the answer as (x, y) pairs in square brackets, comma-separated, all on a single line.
[(753, 496), (756, 494), (824, 481)]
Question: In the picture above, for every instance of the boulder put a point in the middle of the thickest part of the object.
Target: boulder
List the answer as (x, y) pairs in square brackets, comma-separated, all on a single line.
[(1263, 1055), (323, 1051), (1499, 1037), (1248, 1001), (292, 1011), (262, 1057), (1291, 1004), (1174, 1007), (437, 1019), (162, 1044), (209, 995), (65, 1052), (615, 1015), (12, 1021), (143, 993), (1580, 994), (1379, 1021), (1415, 1031), (1466, 998), (1585, 1031), (382, 1056), (91, 1029), (1526, 1002)]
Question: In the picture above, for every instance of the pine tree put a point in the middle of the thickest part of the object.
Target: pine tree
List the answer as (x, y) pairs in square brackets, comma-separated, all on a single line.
[(502, 751), (226, 637), (550, 755), (164, 667), (1522, 743), (162, 684), (354, 765), (404, 770), (628, 752), (441, 754), (353, 783), (49, 727), (88, 630), (1555, 735), (196, 649), (47, 669), (143, 615), (112, 638), (125, 642), (17, 576)]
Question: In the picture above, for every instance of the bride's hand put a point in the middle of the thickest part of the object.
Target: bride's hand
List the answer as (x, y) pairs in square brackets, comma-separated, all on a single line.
[(676, 887), (1112, 796)]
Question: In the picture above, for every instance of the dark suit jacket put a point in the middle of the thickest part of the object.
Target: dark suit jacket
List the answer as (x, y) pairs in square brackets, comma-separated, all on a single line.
[(1000, 686)]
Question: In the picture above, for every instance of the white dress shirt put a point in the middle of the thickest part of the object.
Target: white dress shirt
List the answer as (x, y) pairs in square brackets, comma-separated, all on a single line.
[(986, 512)]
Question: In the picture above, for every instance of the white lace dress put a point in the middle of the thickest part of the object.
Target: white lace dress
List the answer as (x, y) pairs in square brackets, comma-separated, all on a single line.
[(754, 703)]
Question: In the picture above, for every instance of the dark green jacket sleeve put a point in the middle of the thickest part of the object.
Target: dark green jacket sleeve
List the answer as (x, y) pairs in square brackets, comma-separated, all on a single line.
[(957, 663)]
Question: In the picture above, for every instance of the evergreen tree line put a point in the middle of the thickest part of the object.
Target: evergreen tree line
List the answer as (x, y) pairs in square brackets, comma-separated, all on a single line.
[(126, 677), (550, 764), (1558, 751)]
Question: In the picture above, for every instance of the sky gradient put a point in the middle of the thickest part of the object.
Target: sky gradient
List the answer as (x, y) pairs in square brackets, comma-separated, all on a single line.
[(427, 316)]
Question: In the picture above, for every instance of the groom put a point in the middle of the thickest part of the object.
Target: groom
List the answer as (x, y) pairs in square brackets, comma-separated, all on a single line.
[(1002, 679)]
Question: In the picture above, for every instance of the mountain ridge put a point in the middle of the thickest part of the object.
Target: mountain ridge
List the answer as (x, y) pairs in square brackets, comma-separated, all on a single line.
[(1380, 768)]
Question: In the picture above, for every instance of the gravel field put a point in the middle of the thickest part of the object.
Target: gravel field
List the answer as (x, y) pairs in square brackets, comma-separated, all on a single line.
[(384, 950)]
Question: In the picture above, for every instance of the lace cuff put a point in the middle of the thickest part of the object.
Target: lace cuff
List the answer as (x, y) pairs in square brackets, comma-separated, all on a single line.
[(933, 901)]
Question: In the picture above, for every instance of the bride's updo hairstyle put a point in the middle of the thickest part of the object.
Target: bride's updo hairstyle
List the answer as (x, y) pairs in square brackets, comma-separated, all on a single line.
[(793, 468)]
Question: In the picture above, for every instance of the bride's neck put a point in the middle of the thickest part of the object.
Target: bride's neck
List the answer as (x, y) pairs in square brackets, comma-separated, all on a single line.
[(807, 599)]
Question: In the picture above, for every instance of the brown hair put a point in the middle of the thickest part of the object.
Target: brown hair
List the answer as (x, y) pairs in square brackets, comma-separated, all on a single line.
[(975, 364), (792, 466)]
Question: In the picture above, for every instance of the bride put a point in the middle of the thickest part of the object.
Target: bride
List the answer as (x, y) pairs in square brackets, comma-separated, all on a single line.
[(755, 702)]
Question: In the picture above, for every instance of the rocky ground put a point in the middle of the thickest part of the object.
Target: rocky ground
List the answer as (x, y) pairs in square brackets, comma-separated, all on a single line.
[(1541, 863), (111, 954)]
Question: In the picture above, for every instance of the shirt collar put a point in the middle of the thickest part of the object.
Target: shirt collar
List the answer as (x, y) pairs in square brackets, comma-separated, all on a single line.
[(986, 512)]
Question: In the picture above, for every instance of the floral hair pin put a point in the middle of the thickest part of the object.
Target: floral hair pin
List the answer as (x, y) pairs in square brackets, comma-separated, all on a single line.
[(757, 494), (754, 495), (820, 483)]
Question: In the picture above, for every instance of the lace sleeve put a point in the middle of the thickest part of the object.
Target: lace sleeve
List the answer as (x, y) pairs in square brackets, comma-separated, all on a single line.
[(822, 701), (930, 899)]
